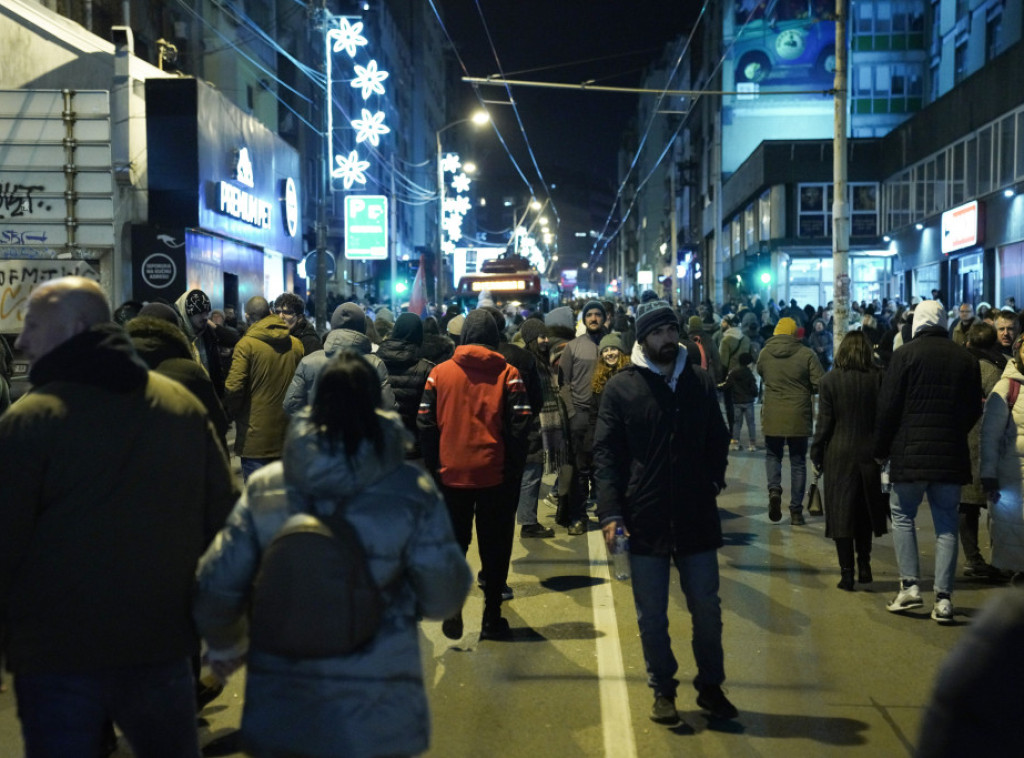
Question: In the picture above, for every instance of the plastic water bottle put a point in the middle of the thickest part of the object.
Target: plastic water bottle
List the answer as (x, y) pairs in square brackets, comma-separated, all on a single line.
[(886, 484), (620, 555)]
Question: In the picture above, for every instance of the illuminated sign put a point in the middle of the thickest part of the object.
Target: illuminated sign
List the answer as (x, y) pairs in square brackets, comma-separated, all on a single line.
[(960, 227), (366, 227), (236, 202), (503, 285), (291, 207), (645, 277), (243, 168)]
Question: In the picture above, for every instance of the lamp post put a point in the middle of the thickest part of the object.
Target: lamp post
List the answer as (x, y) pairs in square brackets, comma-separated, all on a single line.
[(479, 118)]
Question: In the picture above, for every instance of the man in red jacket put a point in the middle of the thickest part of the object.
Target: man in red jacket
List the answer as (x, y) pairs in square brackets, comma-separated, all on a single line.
[(473, 421)]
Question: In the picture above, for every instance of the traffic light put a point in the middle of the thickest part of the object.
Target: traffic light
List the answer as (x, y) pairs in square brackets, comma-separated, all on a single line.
[(766, 277), (401, 288)]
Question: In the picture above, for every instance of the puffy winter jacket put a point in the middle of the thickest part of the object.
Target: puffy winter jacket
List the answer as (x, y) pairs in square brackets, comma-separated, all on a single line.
[(407, 375)]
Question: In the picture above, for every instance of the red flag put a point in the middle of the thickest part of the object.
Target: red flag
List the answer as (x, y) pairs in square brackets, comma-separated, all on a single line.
[(418, 297)]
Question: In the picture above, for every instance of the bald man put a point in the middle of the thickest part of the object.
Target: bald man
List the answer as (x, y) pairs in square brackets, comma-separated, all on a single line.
[(113, 484)]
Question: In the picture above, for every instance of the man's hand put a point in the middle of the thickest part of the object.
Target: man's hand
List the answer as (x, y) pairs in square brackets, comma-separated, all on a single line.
[(609, 532)]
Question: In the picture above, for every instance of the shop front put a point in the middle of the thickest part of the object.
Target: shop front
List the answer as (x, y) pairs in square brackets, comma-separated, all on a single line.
[(223, 201)]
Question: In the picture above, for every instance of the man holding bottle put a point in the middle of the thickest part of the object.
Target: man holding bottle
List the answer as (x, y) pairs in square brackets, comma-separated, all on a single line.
[(661, 438)]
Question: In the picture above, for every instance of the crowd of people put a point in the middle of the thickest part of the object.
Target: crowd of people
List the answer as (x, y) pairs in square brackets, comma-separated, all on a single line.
[(420, 431)]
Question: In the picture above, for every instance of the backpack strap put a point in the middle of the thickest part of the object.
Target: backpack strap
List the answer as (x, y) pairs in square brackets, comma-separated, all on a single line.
[(1011, 396)]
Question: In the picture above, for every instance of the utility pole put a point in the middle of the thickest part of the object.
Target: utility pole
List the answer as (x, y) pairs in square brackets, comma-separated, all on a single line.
[(319, 35), (840, 205)]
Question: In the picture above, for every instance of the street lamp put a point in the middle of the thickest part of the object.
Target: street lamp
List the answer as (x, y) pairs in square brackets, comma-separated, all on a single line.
[(479, 118)]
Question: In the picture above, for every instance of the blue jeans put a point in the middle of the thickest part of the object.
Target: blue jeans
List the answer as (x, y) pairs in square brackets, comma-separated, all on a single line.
[(529, 493), (903, 503), (698, 578), (63, 715), (744, 412), (249, 465), (797, 467)]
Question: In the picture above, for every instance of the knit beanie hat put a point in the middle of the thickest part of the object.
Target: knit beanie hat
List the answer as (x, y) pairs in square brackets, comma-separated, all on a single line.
[(591, 305), (349, 316), (480, 329), (385, 314), (651, 315), (694, 324), (786, 325), (560, 316), (531, 329), (498, 316), (456, 324), (929, 313), (408, 328), (610, 340), (648, 296), (160, 311), (197, 301)]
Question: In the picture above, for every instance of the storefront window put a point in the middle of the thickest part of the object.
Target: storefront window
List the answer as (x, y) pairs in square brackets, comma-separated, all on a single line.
[(926, 279)]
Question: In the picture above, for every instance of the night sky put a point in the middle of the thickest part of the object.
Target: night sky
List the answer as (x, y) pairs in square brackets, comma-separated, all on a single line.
[(574, 135)]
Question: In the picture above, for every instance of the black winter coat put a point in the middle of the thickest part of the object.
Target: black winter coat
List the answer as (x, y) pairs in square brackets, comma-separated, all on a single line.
[(305, 333), (660, 458), (930, 399), (407, 373)]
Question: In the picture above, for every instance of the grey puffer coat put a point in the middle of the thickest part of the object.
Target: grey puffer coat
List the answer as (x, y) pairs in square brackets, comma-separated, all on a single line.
[(1002, 458), (372, 702), (790, 372)]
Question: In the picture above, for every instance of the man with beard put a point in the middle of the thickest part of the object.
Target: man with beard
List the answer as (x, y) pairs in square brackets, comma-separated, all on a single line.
[(195, 308), (576, 373), (661, 414)]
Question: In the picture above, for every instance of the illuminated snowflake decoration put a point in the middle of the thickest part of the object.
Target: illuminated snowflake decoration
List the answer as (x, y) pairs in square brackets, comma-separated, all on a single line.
[(369, 79), (347, 37), (450, 163), (370, 127), (455, 203), (461, 183), (350, 169)]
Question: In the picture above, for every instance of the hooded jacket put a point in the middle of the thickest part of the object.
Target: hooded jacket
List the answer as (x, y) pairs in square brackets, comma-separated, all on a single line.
[(113, 485), (302, 388), (660, 453), (165, 350), (407, 375), (1002, 459), (790, 372), (261, 370), (205, 346), (371, 702), (475, 414)]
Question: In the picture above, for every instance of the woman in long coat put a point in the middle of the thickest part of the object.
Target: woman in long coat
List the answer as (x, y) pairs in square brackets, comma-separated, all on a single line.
[(855, 506)]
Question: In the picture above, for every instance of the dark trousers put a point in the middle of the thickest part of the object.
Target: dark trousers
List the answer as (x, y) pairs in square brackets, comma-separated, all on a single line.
[(970, 515), (494, 510), (583, 454)]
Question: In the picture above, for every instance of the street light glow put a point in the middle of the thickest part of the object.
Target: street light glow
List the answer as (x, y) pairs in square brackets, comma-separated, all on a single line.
[(480, 118)]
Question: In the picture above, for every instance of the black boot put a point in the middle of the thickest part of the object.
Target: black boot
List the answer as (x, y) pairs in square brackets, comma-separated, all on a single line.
[(846, 582), (864, 561)]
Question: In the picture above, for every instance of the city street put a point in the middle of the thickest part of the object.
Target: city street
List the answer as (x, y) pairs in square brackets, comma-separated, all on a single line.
[(813, 671)]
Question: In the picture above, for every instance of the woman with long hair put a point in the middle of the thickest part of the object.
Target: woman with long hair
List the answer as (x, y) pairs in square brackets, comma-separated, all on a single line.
[(855, 506), (341, 452)]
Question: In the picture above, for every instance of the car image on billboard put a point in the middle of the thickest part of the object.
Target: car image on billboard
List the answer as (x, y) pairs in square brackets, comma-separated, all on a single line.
[(784, 41)]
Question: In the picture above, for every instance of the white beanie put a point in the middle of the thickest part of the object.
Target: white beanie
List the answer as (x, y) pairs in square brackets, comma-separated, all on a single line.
[(929, 313)]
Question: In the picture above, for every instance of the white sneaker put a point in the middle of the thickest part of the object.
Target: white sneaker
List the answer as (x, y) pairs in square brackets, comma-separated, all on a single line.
[(942, 611), (735, 446), (752, 448), (908, 597)]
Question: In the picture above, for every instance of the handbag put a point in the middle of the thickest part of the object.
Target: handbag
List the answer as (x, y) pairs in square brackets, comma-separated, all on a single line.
[(814, 505)]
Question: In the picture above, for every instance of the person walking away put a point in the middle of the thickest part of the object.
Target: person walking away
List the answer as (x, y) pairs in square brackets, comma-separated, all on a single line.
[(1002, 464), (790, 373), (856, 507), (99, 542), (407, 371), (983, 345), (576, 371), (742, 383), (261, 370), (342, 452), (661, 416), (473, 422), (734, 344), (929, 400)]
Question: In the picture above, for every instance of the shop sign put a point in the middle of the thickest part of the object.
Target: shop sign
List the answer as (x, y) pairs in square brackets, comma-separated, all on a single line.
[(961, 227)]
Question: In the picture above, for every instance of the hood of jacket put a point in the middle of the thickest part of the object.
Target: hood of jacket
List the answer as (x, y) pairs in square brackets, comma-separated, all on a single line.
[(156, 340), (782, 346), (313, 469), (733, 331), (346, 339), (101, 356), (399, 353), (273, 331), (927, 314), (479, 357), (639, 358)]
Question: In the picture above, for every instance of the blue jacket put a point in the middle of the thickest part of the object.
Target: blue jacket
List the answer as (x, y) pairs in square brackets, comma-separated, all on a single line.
[(371, 702)]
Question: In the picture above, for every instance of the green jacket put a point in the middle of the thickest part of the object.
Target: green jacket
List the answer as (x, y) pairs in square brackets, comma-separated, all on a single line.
[(790, 371), (261, 370)]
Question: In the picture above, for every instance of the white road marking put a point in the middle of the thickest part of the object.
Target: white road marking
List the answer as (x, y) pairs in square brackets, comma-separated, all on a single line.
[(616, 720)]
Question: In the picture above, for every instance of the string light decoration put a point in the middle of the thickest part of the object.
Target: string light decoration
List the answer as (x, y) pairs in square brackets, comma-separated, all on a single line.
[(456, 203), (346, 36)]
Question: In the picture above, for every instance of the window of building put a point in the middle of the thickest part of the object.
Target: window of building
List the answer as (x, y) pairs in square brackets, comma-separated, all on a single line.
[(960, 61), (765, 216), (815, 209), (993, 27), (750, 227)]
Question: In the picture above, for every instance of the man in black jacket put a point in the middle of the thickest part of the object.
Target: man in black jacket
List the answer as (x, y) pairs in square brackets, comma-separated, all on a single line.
[(661, 438), (929, 400)]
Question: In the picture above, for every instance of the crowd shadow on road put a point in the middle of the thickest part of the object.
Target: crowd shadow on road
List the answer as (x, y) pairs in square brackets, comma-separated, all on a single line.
[(827, 730)]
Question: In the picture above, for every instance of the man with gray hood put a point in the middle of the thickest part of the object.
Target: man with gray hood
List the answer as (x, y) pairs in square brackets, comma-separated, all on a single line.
[(348, 332), (929, 400), (660, 453)]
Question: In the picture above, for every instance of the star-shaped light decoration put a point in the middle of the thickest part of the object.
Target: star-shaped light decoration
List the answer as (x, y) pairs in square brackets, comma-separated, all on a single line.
[(370, 127), (347, 37), (461, 183), (450, 163), (350, 169), (460, 205), (448, 247), (453, 226), (369, 79)]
